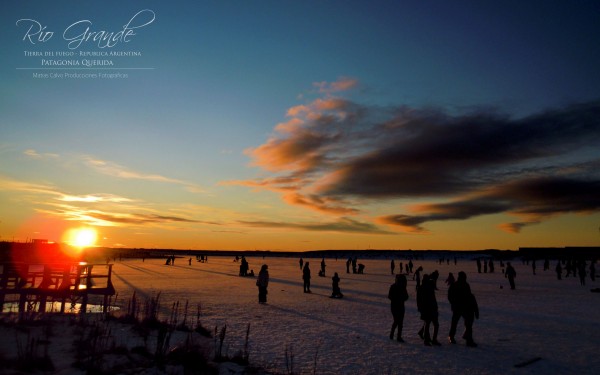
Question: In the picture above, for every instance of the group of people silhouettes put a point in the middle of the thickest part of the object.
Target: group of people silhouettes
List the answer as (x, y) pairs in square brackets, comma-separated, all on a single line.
[(462, 302)]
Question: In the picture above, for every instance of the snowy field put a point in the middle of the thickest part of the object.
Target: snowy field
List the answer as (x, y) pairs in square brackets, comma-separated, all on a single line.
[(557, 321)]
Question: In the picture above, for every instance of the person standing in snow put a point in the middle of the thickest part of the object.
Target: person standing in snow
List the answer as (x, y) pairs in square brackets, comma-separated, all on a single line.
[(417, 277), (582, 272), (558, 270), (262, 282), (335, 284), (398, 295), (306, 277), (464, 305), (393, 266), (428, 308), (510, 274)]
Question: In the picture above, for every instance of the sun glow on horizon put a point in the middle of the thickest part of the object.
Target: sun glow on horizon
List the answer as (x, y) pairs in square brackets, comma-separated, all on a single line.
[(81, 237)]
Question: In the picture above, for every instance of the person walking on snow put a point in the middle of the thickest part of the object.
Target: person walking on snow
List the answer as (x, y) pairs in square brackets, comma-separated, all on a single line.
[(398, 295), (510, 274), (464, 305), (428, 308)]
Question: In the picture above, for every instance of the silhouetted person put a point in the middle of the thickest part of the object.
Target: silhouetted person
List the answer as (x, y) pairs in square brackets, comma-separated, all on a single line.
[(582, 272), (361, 268), (546, 264), (401, 267), (244, 267), (417, 277), (485, 264), (301, 261), (558, 270), (348, 265), (392, 266), (262, 282), (450, 280), (427, 305), (335, 285), (533, 266), (435, 275), (323, 265), (190, 261), (491, 267), (464, 305), (568, 268), (510, 275), (478, 265), (354, 260), (306, 277), (398, 295), (410, 266)]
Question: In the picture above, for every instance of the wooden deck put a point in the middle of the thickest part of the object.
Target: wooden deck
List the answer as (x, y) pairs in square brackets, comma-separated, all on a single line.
[(32, 285)]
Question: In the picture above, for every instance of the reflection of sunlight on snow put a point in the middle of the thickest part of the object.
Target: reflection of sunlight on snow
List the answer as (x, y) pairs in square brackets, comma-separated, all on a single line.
[(351, 334)]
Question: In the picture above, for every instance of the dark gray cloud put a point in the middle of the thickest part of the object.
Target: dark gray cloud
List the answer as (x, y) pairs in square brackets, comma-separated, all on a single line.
[(531, 199), (336, 156), (428, 153)]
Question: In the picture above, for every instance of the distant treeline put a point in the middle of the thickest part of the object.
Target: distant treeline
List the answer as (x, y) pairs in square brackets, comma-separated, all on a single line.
[(579, 252), (32, 252)]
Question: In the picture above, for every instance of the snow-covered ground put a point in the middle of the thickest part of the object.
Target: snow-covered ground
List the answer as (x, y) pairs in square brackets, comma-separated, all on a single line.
[(550, 326), (557, 321)]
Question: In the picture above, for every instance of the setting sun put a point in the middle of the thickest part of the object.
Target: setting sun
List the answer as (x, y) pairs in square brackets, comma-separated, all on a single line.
[(81, 237)]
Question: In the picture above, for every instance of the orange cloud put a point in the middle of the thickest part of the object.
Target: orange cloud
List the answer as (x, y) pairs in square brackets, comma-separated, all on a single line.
[(342, 84), (290, 126), (321, 204), (298, 152)]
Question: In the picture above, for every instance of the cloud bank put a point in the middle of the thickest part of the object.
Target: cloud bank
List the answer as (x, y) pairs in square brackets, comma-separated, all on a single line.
[(336, 156)]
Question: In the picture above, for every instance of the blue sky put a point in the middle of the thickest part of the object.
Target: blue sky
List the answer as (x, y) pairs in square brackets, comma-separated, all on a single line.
[(180, 155)]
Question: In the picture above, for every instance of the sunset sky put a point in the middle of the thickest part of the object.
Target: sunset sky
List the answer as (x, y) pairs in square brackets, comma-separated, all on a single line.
[(299, 125)]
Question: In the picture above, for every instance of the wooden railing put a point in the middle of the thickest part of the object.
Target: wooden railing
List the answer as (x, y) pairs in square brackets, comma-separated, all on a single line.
[(32, 286)]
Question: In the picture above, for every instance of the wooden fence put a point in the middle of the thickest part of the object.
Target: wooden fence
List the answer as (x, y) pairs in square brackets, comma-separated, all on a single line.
[(33, 286)]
